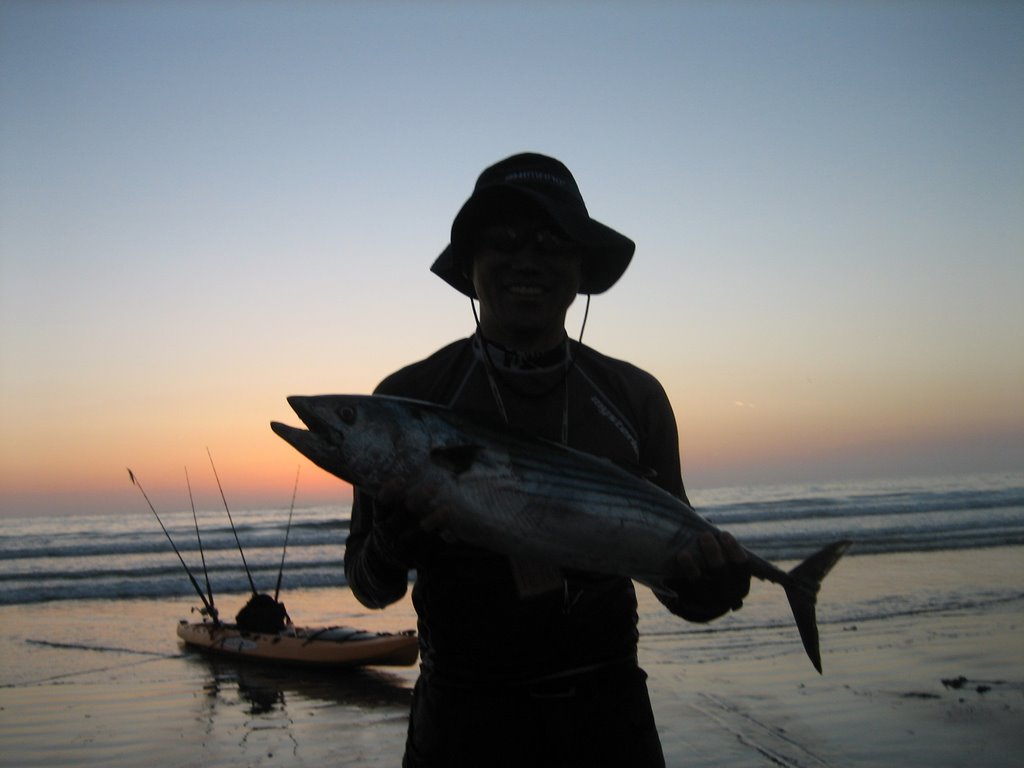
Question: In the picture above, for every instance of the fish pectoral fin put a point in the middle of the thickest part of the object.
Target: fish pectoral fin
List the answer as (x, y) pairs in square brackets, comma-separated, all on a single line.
[(456, 458)]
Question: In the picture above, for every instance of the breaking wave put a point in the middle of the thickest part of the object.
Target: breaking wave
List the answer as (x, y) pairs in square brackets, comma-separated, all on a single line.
[(118, 556)]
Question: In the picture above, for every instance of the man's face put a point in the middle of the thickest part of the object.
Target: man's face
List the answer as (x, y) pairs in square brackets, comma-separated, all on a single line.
[(526, 273)]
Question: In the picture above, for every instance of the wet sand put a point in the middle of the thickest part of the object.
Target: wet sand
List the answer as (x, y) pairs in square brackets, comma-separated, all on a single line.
[(923, 687)]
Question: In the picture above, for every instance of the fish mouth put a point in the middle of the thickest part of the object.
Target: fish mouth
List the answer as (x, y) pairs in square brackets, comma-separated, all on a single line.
[(302, 440), (316, 426), (305, 411), (305, 442), (322, 442)]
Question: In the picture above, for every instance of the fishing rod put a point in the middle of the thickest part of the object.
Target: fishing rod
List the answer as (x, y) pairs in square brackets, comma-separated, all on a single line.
[(202, 555), (252, 584), (199, 590), (287, 530)]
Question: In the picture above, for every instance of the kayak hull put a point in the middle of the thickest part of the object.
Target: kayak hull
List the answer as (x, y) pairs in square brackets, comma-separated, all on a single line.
[(304, 646)]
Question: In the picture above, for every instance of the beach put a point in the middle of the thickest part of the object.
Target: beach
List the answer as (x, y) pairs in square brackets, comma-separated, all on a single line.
[(923, 672)]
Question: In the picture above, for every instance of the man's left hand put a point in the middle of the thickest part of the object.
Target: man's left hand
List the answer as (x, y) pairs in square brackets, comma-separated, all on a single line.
[(714, 579)]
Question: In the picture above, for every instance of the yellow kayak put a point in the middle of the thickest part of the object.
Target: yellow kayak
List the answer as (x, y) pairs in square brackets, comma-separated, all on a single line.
[(305, 646)]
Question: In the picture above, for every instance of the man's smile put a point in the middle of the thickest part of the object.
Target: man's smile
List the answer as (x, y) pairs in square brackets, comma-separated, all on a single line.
[(526, 290)]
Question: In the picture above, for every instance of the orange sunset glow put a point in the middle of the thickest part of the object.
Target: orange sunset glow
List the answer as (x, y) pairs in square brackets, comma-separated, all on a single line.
[(829, 255)]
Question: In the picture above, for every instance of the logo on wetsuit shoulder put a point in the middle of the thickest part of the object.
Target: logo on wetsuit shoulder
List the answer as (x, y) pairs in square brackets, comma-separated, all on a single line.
[(616, 422)]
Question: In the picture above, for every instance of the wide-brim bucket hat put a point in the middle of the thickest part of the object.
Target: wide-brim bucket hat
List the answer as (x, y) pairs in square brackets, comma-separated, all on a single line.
[(548, 183)]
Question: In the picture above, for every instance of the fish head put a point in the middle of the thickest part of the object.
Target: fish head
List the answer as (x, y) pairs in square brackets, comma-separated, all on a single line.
[(355, 437)]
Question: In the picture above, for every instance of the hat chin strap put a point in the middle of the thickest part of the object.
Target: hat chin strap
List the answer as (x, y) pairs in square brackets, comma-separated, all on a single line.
[(579, 340)]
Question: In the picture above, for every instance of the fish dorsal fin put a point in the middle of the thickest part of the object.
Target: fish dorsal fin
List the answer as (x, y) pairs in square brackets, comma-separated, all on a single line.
[(455, 458)]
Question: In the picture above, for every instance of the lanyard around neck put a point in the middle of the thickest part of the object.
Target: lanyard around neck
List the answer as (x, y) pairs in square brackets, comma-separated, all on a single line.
[(493, 375)]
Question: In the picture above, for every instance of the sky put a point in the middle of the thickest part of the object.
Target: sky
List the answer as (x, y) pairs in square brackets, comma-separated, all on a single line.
[(206, 207)]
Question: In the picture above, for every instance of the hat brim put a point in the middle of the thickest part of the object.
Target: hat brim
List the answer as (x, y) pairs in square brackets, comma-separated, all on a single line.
[(606, 253)]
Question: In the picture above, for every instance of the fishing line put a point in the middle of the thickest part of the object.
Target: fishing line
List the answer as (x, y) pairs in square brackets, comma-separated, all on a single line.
[(287, 530), (199, 590), (252, 584), (202, 554)]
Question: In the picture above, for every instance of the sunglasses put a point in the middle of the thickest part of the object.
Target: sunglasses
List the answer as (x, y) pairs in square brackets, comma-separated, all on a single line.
[(512, 238)]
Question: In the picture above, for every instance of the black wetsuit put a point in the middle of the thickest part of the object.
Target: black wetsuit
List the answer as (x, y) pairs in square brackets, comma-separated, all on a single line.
[(551, 678)]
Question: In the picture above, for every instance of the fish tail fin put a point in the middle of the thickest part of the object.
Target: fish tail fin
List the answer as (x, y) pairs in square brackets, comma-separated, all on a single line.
[(802, 591)]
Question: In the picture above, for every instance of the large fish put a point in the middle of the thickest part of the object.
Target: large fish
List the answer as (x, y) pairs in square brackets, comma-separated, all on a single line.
[(526, 497)]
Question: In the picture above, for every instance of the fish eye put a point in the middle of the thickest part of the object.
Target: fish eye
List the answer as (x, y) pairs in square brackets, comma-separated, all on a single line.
[(348, 415)]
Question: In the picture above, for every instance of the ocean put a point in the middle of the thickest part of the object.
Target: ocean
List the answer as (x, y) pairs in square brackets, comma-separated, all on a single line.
[(920, 638), (127, 555)]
